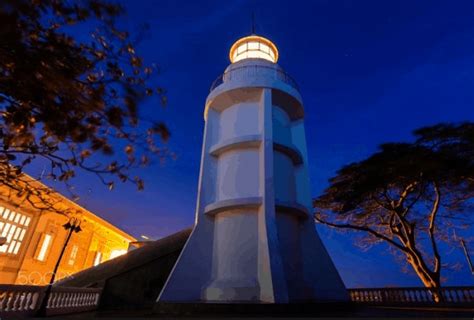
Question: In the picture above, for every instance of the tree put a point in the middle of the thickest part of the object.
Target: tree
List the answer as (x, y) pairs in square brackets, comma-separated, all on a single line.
[(408, 195), (68, 104)]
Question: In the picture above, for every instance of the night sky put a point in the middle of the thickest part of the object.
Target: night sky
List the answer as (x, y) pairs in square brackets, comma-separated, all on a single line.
[(369, 72)]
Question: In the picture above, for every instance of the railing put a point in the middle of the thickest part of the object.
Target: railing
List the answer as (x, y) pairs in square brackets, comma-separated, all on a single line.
[(68, 300), (25, 300), (413, 295), (251, 71), (20, 299)]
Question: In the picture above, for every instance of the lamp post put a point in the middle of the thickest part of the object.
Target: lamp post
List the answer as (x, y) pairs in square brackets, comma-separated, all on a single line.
[(73, 225)]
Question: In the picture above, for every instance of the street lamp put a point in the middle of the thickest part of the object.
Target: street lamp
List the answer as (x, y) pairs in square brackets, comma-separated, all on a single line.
[(73, 225)]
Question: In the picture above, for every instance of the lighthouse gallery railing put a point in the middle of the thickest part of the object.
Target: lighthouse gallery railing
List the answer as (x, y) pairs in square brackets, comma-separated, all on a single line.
[(255, 70)]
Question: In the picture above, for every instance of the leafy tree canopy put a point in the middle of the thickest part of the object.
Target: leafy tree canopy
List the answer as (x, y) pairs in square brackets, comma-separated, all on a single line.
[(63, 101), (409, 195)]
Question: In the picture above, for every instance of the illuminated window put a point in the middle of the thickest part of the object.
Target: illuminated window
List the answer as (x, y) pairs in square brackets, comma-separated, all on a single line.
[(72, 257), (117, 253), (13, 226), (98, 258), (44, 247), (253, 47)]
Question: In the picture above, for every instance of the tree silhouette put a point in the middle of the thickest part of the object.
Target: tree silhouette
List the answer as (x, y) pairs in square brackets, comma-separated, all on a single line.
[(71, 104), (409, 195)]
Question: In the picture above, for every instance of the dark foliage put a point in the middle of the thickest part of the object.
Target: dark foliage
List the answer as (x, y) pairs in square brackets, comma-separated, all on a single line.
[(409, 195), (68, 103)]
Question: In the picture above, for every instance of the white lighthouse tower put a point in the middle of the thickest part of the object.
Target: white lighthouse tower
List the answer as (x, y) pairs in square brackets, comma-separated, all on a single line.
[(254, 239)]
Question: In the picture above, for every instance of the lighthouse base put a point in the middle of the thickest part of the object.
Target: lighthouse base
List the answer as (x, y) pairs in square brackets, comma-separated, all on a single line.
[(232, 290)]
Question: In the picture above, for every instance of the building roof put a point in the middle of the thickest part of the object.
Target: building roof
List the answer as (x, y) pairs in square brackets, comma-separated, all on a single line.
[(81, 210)]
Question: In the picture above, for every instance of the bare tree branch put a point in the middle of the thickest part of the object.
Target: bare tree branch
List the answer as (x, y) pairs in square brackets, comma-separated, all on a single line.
[(359, 228)]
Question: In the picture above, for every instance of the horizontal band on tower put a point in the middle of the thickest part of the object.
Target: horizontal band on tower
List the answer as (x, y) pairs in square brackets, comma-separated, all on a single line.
[(230, 204), (292, 207), (290, 151), (284, 97), (249, 141), (253, 141)]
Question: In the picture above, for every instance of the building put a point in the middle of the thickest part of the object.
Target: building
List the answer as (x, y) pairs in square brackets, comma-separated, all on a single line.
[(254, 239), (34, 239)]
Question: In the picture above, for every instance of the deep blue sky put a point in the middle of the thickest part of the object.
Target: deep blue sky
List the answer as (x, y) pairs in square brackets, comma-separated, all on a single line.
[(369, 72)]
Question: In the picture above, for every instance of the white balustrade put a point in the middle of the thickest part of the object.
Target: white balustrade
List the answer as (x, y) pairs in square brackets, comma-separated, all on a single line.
[(25, 300), (414, 295)]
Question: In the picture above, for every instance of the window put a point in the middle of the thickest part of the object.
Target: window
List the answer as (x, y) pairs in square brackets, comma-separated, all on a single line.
[(72, 256), (98, 258), (264, 48), (253, 46), (117, 253), (44, 247), (241, 49), (13, 226)]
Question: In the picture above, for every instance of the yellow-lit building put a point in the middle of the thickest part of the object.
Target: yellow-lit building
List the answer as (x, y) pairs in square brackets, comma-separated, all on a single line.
[(34, 239)]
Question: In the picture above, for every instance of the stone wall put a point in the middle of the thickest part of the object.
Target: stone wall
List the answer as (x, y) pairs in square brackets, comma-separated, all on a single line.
[(133, 280)]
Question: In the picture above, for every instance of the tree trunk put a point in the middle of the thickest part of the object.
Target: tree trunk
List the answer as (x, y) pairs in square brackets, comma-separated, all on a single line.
[(430, 280)]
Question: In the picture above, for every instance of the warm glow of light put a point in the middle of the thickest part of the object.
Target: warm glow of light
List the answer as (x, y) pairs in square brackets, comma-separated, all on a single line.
[(12, 227), (98, 258), (73, 255), (253, 47), (44, 247), (117, 253)]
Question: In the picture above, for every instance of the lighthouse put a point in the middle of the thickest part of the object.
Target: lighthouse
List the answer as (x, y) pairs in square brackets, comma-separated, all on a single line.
[(254, 239)]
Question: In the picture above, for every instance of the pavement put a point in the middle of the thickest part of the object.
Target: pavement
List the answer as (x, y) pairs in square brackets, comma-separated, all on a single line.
[(228, 311)]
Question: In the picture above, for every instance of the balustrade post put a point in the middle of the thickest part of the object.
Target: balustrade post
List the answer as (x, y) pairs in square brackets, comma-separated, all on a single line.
[(447, 295), (72, 301), (458, 295), (3, 299), (29, 300), (68, 299), (62, 297), (52, 300), (467, 296), (16, 301), (11, 297), (34, 300), (75, 301), (417, 295), (401, 295), (79, 298)]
